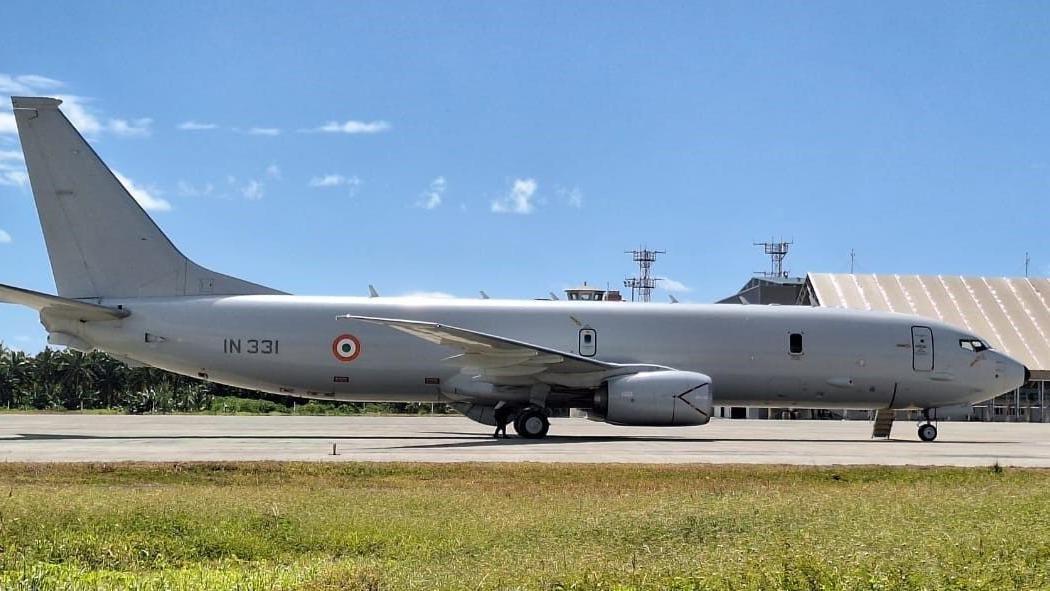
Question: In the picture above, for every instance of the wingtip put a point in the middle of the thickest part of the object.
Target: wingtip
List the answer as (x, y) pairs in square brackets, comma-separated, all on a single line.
[(35, 102)]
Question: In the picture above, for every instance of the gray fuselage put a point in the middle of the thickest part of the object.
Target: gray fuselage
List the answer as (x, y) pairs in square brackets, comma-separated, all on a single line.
[(285, 344)]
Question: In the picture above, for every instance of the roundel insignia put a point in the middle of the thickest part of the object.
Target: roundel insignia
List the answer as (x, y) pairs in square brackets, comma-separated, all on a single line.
[(346, 347)]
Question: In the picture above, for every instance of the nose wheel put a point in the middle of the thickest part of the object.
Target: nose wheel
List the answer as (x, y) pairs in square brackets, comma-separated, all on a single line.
[(532, 423), (927, 431)]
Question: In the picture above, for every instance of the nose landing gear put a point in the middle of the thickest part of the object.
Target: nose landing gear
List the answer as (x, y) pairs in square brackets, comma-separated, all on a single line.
[(927, 431)]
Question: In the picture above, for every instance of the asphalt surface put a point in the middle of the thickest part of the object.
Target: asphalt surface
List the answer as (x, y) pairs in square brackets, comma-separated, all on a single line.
[(105, 438)]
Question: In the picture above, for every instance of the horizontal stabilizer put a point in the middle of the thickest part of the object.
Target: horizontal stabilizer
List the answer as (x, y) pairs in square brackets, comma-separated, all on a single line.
[(43, 302)]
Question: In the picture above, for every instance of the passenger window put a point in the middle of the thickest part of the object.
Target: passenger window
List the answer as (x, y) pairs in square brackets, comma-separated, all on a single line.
[(795, 343)]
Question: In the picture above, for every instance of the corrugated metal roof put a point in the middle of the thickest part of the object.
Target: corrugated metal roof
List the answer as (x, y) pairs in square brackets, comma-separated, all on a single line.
[(1012, 313)]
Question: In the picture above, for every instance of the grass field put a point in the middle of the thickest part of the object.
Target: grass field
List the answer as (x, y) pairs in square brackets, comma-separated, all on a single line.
[(462, 526)]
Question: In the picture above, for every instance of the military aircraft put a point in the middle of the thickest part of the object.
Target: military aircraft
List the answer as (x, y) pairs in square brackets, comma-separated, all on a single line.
[(124, 288)]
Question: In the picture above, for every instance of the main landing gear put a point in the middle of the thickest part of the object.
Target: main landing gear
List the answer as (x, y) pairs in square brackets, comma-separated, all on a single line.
[(532, 423), (927, 431)]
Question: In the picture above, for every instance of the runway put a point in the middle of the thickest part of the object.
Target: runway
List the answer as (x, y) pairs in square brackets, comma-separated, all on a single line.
[(118, 438)]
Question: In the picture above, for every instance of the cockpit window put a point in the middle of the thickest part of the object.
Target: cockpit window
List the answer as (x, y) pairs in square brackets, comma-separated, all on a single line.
[(975, 345)]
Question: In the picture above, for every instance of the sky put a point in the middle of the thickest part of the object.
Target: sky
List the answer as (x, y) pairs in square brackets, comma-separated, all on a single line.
[(521, 147)]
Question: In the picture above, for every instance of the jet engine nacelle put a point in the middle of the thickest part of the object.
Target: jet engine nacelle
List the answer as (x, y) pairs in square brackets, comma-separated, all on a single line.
[(656, 398)]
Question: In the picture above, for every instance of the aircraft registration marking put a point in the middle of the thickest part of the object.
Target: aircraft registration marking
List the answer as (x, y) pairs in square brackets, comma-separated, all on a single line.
[(251, 346)]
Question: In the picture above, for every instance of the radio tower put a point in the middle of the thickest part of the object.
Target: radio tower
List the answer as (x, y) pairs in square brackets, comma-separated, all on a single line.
[(776, 251), (642, 285)]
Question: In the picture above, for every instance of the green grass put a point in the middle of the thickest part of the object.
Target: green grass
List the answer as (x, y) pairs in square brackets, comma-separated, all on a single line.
[(466, 526)]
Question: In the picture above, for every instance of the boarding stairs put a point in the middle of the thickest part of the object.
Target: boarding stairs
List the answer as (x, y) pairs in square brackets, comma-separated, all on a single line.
[(883, 423)]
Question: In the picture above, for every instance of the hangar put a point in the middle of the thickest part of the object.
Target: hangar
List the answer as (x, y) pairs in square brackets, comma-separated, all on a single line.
[(1011, 313)]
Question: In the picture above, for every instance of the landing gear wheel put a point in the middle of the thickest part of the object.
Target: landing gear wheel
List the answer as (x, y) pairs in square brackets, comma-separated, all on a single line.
[(532, 423), (927, 432)]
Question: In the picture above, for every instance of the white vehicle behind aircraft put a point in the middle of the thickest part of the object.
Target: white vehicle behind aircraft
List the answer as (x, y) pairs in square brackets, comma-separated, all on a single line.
[(124, 288)]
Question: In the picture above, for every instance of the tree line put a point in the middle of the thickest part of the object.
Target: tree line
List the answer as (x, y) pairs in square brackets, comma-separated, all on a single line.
[(71, 380)]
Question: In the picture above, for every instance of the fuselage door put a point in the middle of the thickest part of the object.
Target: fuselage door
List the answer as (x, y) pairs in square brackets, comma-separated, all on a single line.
[(588, 342), (921, 348)]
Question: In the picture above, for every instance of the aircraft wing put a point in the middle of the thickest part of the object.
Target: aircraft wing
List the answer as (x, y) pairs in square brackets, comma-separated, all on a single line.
[(43, 302), (504, 361)]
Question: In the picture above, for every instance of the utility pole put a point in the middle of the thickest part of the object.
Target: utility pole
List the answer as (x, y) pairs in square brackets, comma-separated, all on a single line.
[(1027, 261)]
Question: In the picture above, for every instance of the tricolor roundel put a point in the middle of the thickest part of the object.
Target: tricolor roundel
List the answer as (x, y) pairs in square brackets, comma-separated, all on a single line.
[(346, 347)]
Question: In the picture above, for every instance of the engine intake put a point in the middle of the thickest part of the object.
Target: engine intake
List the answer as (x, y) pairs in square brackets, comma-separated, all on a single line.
[(657, 398)]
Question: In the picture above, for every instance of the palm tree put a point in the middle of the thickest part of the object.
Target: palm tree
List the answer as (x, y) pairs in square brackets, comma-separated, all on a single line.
[(44, 377), (111, 378), (76, 375)]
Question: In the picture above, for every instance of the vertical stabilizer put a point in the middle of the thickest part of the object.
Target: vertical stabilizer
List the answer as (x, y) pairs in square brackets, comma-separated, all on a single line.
[(100, 241)]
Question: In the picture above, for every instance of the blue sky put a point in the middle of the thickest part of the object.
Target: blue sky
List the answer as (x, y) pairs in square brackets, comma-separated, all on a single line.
[(521, 147)]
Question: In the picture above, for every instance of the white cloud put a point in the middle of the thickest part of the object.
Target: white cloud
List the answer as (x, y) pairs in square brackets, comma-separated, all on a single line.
[(39, 82), (573, 196), (353, 127), (89, 124), (273, 172), (5, 238), (328, 180), (13, 178), (196, 126), (78, 114), (336, 180), (270, 131), (145, 196), (673, 286), (187, 189), (134, 128), (26, 84), (12, 169), (519, 199), (7, 123), (75, 107), (253, 190), (431, 198)]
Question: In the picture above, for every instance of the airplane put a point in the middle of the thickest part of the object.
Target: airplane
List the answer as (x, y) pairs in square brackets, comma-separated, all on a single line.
[(124, 288)]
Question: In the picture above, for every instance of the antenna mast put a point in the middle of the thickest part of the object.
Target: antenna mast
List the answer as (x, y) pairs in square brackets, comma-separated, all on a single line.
[(642, 285), (776, 251)]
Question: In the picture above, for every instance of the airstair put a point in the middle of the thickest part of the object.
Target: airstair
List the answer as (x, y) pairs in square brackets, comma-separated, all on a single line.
[(883, 423)]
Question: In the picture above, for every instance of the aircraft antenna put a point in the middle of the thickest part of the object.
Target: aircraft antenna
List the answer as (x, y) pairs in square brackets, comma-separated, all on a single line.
[(776, 251), (642, 286)]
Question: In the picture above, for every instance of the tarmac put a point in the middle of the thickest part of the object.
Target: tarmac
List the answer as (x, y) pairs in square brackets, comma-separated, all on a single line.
[(188, 438)]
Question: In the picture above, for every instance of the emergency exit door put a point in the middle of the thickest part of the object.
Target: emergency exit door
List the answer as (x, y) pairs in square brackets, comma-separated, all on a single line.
[(921, 348), (588, 342)]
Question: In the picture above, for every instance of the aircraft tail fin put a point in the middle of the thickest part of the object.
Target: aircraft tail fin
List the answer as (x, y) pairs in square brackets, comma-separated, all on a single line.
[(100, 241)]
